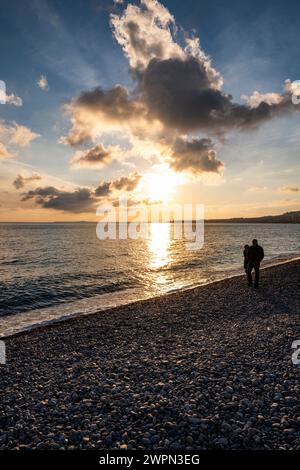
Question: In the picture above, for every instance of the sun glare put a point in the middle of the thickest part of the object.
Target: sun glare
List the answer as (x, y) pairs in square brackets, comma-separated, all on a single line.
[(161, 186)]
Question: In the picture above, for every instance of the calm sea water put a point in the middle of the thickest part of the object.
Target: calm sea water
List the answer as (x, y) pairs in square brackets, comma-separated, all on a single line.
[(56, 270)]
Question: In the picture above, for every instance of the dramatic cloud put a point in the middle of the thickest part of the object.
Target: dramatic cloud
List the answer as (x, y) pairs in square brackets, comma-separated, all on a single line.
[(22, 181), (95, 111), (177, 92), (97, 156), (181, 95), (79, 200), (144, 33), (180, 86), (196, 156), (290, 189), (42, 82)]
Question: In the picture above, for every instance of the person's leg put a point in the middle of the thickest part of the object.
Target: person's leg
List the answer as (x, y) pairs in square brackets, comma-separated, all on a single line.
[(249, 275), (256, 281)]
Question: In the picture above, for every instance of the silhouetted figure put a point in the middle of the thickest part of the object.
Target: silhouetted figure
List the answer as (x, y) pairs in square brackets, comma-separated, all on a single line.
[(245, 252), (255, 257)]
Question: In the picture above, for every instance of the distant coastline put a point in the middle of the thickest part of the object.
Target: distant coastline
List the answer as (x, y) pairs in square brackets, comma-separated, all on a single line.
[(286, 218)]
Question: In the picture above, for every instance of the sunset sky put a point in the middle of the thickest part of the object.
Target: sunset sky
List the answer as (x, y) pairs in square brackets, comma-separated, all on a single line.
[(178, 101)]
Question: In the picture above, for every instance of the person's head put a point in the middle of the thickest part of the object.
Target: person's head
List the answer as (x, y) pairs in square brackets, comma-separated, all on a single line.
[(254, 242), (246, 247)]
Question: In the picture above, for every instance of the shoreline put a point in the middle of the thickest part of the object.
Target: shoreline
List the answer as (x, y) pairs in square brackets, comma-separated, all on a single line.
[(78, 315), (208, 368)]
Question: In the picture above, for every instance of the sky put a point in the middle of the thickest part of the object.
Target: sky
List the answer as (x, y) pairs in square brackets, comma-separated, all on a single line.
[(156, 102)]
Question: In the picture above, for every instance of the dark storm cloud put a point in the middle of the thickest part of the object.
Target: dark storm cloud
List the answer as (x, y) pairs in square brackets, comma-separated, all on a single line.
[(42, 192), (179, 93), (114, 103), (195, 156), (103, 189), (79, 200), (94, 110)]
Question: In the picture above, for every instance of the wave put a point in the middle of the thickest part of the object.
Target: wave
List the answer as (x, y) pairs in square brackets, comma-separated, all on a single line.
[(33, 296), (31, 319)]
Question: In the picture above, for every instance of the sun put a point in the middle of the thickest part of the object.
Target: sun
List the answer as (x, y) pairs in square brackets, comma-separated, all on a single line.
[(161, 186)]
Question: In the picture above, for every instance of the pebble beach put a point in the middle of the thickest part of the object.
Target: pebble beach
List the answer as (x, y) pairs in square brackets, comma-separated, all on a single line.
[(206, 368)]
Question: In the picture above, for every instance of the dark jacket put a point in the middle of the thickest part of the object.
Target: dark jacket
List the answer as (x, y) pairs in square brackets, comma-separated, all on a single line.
[(255, 254), (246, 258)]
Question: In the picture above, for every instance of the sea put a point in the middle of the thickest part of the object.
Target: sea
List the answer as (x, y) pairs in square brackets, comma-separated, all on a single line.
[(53, 271)]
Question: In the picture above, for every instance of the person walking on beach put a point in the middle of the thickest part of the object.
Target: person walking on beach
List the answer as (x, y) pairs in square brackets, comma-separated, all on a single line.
[(255, 257), (245, 252)]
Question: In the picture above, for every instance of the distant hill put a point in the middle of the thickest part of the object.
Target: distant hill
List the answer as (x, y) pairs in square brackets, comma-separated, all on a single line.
[(286, 218)]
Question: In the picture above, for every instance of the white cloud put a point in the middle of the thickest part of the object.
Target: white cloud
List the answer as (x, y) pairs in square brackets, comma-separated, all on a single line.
[(21, 136), (14, 100), (257, 98), (16, 134), (43, 82), (144, 33)]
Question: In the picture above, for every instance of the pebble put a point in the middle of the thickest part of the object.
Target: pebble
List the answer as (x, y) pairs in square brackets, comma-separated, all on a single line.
[(196, 369)]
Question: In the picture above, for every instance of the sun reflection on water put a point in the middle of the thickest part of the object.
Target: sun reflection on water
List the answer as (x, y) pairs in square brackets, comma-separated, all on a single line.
[(159, 244)]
